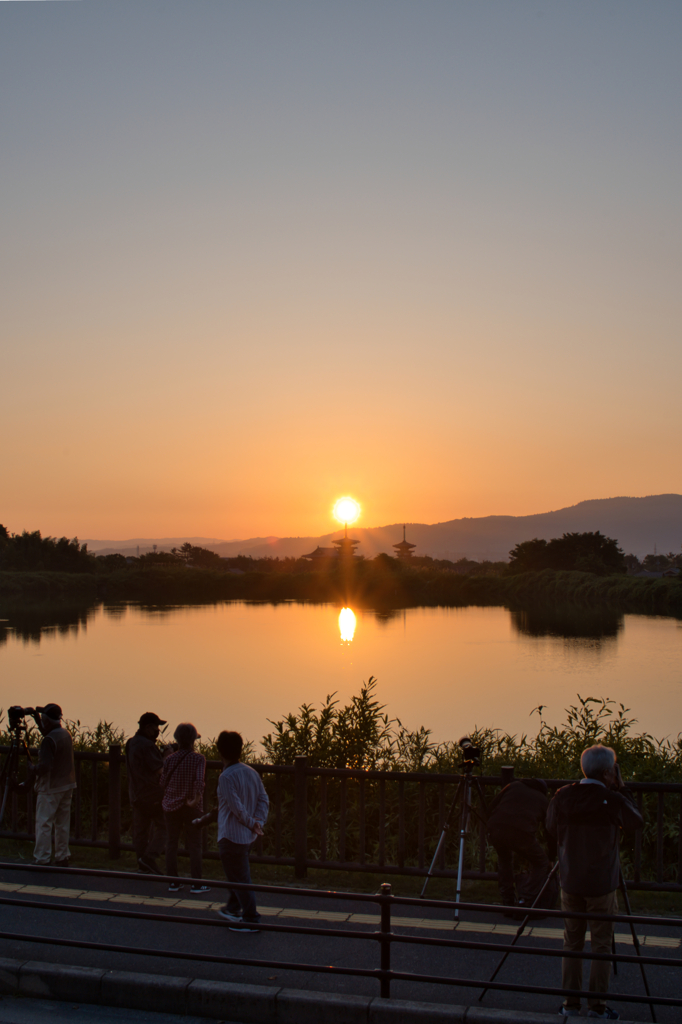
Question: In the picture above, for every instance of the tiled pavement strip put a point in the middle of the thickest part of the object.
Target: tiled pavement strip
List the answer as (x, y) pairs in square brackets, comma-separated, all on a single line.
[(425, 923)]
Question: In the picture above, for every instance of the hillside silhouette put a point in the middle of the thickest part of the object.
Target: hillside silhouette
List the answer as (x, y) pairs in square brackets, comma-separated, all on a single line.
[(639, 524)]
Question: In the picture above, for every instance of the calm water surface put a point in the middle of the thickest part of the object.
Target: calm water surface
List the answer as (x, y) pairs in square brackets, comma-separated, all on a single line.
[(236, 665)]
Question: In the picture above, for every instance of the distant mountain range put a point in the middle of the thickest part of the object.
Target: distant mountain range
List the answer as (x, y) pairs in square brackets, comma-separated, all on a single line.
[(639, 525)]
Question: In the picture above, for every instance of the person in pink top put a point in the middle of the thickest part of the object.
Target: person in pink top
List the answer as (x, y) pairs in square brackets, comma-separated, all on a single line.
[(182, 782)]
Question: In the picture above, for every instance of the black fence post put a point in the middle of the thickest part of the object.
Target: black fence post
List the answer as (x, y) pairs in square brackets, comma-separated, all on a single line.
[(300, 815), (385, 941), (507, 774), (115, 801)]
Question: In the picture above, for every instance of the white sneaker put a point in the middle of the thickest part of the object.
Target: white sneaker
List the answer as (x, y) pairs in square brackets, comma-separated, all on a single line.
[(229, 916), (200, 888)]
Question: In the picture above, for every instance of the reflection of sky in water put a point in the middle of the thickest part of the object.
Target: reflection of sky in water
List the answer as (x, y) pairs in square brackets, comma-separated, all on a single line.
[(237, 665)]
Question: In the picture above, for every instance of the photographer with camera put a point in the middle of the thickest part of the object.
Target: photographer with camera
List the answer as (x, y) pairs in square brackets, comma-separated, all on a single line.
[(55, 781), (144, 762), (586, 818), (513, 821)]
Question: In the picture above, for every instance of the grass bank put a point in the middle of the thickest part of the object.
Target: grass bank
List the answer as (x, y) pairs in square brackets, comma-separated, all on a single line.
[(47, 586), (368, 584)]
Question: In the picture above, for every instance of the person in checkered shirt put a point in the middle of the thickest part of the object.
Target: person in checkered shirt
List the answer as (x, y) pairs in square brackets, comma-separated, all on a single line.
[(182, 782)]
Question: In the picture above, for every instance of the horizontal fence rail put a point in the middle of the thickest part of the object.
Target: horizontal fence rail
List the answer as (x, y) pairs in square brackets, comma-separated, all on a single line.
[(360, 821), (382, 936)]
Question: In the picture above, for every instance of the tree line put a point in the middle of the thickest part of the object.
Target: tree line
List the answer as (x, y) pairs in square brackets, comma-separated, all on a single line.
[(589, 552)]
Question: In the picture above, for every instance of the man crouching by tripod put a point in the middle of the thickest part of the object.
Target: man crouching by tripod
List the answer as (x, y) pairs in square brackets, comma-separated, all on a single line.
[(513, 820), (586, 818)]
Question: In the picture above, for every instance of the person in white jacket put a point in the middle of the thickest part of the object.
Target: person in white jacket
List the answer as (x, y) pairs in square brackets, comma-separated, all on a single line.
[(241, 814), (55, 781)]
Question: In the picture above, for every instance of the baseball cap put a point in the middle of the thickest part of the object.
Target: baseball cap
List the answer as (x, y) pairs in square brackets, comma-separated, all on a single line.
[(52, 711), (149, 718)]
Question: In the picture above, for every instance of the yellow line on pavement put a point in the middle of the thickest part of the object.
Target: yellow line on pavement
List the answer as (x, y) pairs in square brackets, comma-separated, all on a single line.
[(333, 916)]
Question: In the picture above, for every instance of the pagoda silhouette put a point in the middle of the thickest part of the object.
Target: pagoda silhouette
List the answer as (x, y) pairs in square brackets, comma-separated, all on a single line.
[(344, 549), (346, 545), (404, 548)]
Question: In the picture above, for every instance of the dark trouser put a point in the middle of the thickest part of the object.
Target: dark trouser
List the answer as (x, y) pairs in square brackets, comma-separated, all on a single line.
[(149, 828), (175, 822), (235, 861), (507, 842), (601, 933)]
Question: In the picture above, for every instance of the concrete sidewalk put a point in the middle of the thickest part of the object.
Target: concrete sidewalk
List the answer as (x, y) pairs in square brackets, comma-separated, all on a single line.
[(201, 932), (193, 1001), (19, 1010)]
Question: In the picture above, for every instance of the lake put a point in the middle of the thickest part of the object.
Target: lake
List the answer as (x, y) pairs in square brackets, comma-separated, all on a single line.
[(235, 665)]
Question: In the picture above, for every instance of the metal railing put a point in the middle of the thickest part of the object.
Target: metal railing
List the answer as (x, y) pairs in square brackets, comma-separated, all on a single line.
[(383, 935), (359, 821)]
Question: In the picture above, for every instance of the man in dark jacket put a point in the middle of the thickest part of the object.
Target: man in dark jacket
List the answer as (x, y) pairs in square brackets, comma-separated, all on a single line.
[(513, 820), (586, 818), (144, 762)]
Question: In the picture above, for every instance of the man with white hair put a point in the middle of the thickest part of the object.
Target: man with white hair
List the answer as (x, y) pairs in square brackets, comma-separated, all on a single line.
[(55, 781), (586, 818)]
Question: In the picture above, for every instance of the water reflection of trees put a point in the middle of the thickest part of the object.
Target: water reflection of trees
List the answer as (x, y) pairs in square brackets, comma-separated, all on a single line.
[(32, 623), (568, 622)]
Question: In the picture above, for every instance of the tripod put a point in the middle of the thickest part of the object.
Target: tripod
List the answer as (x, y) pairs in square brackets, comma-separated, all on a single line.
[(9, 776), (522, 927), (635, 940), (463, 797)]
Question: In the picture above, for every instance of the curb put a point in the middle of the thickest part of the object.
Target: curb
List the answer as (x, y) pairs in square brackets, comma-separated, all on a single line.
[(227, 1001)]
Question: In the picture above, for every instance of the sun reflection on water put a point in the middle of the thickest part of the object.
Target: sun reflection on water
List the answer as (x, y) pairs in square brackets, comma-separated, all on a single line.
[(347, 623)]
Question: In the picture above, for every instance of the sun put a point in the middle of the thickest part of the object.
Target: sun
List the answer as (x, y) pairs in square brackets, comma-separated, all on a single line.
[(346, 510)]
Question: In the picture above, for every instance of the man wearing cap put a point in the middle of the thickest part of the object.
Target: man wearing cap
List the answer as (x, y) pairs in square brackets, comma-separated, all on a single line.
[(144, 761), (55, 781)]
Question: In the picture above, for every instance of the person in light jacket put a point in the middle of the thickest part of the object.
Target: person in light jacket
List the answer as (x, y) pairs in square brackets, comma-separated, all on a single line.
[(241, 813), (55, 781)]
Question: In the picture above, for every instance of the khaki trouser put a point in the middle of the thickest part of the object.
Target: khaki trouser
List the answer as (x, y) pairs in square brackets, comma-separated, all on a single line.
[(601, 933), (52, 809)]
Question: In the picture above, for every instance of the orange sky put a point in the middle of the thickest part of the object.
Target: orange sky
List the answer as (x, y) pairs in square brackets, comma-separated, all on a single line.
[(259, 257)]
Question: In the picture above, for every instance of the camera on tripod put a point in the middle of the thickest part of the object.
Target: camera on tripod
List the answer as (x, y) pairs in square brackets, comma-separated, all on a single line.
[(9, 774), (471, 755), (16, 715)]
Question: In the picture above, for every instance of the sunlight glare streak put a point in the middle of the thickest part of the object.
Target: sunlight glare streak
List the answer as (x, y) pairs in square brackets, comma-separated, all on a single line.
[(347, 623)]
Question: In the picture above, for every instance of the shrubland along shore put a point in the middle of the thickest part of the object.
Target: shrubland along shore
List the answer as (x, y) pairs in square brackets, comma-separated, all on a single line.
[(381, 582)]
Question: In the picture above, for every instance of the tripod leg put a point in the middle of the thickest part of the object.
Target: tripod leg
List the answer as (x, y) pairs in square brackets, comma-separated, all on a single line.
[(520, 930), (635, 942), (8, 773), (4, 799), (463, 828), (481, 797), (443, 835)]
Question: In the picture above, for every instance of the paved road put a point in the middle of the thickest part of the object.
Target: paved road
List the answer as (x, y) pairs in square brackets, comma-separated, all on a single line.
[(203, 932)]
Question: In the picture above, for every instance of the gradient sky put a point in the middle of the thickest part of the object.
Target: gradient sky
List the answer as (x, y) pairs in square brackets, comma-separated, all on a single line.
[(259, 255)]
